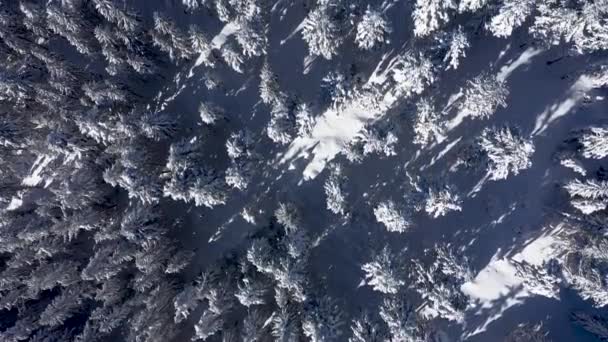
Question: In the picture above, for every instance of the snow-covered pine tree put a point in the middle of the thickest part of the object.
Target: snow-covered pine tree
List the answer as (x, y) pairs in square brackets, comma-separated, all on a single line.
[(589, 196), (209, 324), (321, 32), (202, 45), (393, 218), (585, 273), (483, 96), (187, 181), (428, 127), (281, 127), (169, 38), (581, 24), (69, 24), (594, 142), (335, 192), (157, 126), (412, 73), (384, 273), (270, 91), (538, 280), (124, 19), (65, 305), (178, 261), (240, 145), (439, 283), (440, 200), (378, 140), (209, 190), (238, 175), (232, 57), (573, 163), (252, 290), (589, 189), (430, 15), (223, 10), (34, 19), (401, 319), (209, 113), (185, 303), (285, 260), (193, 4), (254, 325), (457, 44), (305, 121), (471, 5), (323, 320), (506, 151), (337, 89), (372, 31), (511, 15), (248, 10), (367, 329), (251, 37), (285, 321)]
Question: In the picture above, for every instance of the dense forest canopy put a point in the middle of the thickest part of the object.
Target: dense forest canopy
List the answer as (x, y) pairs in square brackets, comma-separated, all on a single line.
[(303, 170)]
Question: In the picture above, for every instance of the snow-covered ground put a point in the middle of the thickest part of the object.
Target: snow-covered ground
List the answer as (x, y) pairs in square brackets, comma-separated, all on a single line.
[(502, 222)]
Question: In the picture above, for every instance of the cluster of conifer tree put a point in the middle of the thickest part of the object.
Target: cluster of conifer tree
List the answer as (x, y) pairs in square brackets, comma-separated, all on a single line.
[(89, 159)]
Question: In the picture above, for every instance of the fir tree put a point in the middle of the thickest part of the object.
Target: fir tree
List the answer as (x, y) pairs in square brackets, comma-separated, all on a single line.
[(372, 30), (511, 15), (457, 43), (506, 151), (483, 96), (383, 272), (391, 217), (321, 32), (430, 15)]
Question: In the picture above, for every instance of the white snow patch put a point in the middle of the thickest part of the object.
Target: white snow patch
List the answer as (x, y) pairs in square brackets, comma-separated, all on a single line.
[(14, 204), (307, 63), (495, 285), (493, 282), (498, 278), (456, 121), (172, 98), (228, 30), (275, 6), (539, 251), (330, 135), (294, 32), (498, 312), (502, 53), (498, 282), (523, 59), (503, 216), (477, 188), (335, 129), (441, 153), (34, 178), (452, 100), (576, 93)]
